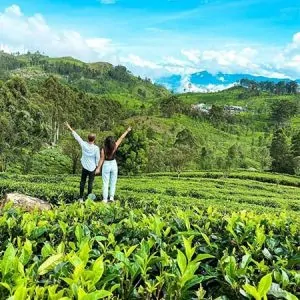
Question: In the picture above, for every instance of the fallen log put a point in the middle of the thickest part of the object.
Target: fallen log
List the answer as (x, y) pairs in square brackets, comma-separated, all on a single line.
[(25, 202)]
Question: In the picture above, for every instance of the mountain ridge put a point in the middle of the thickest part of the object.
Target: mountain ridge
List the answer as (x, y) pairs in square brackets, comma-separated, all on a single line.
[(207, 82)]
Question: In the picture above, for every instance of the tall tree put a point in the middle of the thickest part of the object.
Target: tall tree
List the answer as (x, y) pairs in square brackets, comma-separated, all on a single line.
[(282, 160), (172, 105), (132, 154), (283, 111), (295, 148), (185, 138)]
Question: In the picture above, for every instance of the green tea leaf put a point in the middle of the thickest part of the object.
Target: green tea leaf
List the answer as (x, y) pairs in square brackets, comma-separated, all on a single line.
[(98, 269), (181, 261), (265, 284), (50, 263), (189, 250), (20, 293), (251, 290), (203, 256)]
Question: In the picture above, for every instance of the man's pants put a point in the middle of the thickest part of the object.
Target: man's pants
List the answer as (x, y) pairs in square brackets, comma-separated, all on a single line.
[(84, 174)]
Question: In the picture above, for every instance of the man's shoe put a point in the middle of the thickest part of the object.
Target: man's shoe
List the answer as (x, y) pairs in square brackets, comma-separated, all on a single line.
[(104, 201), (80, 200)]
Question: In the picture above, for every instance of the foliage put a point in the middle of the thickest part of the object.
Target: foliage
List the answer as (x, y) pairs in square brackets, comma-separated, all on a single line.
[(171, 106), (282, 160), (100, 98), (146, 247), (132, 154), (283, 111), (50, 161), (279, 88)]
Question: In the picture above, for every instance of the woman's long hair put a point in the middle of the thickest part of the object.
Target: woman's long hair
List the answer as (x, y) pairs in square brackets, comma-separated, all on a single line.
[(109, 146)]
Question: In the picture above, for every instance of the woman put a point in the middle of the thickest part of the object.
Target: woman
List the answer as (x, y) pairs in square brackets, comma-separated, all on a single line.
[(109, 165)]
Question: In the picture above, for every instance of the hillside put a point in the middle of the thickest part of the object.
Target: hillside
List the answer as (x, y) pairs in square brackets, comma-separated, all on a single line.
[(99, 78), (44, 92), (174, 232)]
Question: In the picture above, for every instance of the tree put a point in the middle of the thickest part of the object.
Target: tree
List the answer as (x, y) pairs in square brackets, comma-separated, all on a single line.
[(216, 114), (206, 158), (177, 158), (172, 105), (296, 164), (71, 148), (234, 156), (283, 111), (280, 88), (132, 154), (295, 148), (185, 138), (282, 161), (291, 87), (265, 159)]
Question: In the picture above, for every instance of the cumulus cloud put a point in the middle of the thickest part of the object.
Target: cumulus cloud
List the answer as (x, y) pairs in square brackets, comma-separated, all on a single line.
[(187, 85), (223, 60), (139, 62), (22, 33), (192, 55), (14, 10)]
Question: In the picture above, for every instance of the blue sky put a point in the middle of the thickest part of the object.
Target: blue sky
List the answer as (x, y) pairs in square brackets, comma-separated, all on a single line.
[(161, 37)]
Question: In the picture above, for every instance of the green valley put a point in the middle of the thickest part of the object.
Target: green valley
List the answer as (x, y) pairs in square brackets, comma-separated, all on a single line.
[(207, 204)]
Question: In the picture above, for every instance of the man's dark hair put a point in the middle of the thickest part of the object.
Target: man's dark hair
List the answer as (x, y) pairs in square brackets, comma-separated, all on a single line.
[(91, 137)]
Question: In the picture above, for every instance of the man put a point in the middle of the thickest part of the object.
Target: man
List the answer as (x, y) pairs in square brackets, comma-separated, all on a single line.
[(90, 160)]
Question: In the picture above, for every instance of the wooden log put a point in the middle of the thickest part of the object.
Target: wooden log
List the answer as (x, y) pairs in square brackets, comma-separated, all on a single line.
[(25, 202)]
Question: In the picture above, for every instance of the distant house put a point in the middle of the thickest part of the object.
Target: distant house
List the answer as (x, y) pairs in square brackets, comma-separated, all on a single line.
[(234, 108), (202, 107)]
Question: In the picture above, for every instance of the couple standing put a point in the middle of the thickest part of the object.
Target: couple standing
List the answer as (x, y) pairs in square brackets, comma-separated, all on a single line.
[(92, 162)]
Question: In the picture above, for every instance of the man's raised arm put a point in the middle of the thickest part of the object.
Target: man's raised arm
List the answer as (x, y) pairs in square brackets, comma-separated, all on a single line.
[(76, 136)]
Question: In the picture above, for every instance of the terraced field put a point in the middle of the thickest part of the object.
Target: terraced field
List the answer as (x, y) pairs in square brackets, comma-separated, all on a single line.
[(237, 190)]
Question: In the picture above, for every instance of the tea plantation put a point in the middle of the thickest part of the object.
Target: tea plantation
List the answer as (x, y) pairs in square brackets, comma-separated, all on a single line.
[(201, 236)]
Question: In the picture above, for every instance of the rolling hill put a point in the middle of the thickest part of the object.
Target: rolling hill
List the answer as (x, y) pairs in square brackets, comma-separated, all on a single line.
[(102, 98), (98, 78)]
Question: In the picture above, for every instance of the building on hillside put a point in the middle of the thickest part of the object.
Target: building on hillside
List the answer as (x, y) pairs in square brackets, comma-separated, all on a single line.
[(234, 108), (202, 107), (205, 108)]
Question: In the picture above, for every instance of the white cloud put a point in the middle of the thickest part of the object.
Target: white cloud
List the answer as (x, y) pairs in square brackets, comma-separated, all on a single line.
[(192, 55), (140, 62), (34, 33), (186, 85), (288, 60), (14, 10), (100, 45), (245, 60), (295, 43), (228, 61), (22, 33)]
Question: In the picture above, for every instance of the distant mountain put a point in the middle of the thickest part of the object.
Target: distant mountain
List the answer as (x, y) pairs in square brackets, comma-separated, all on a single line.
[(207, 82)]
